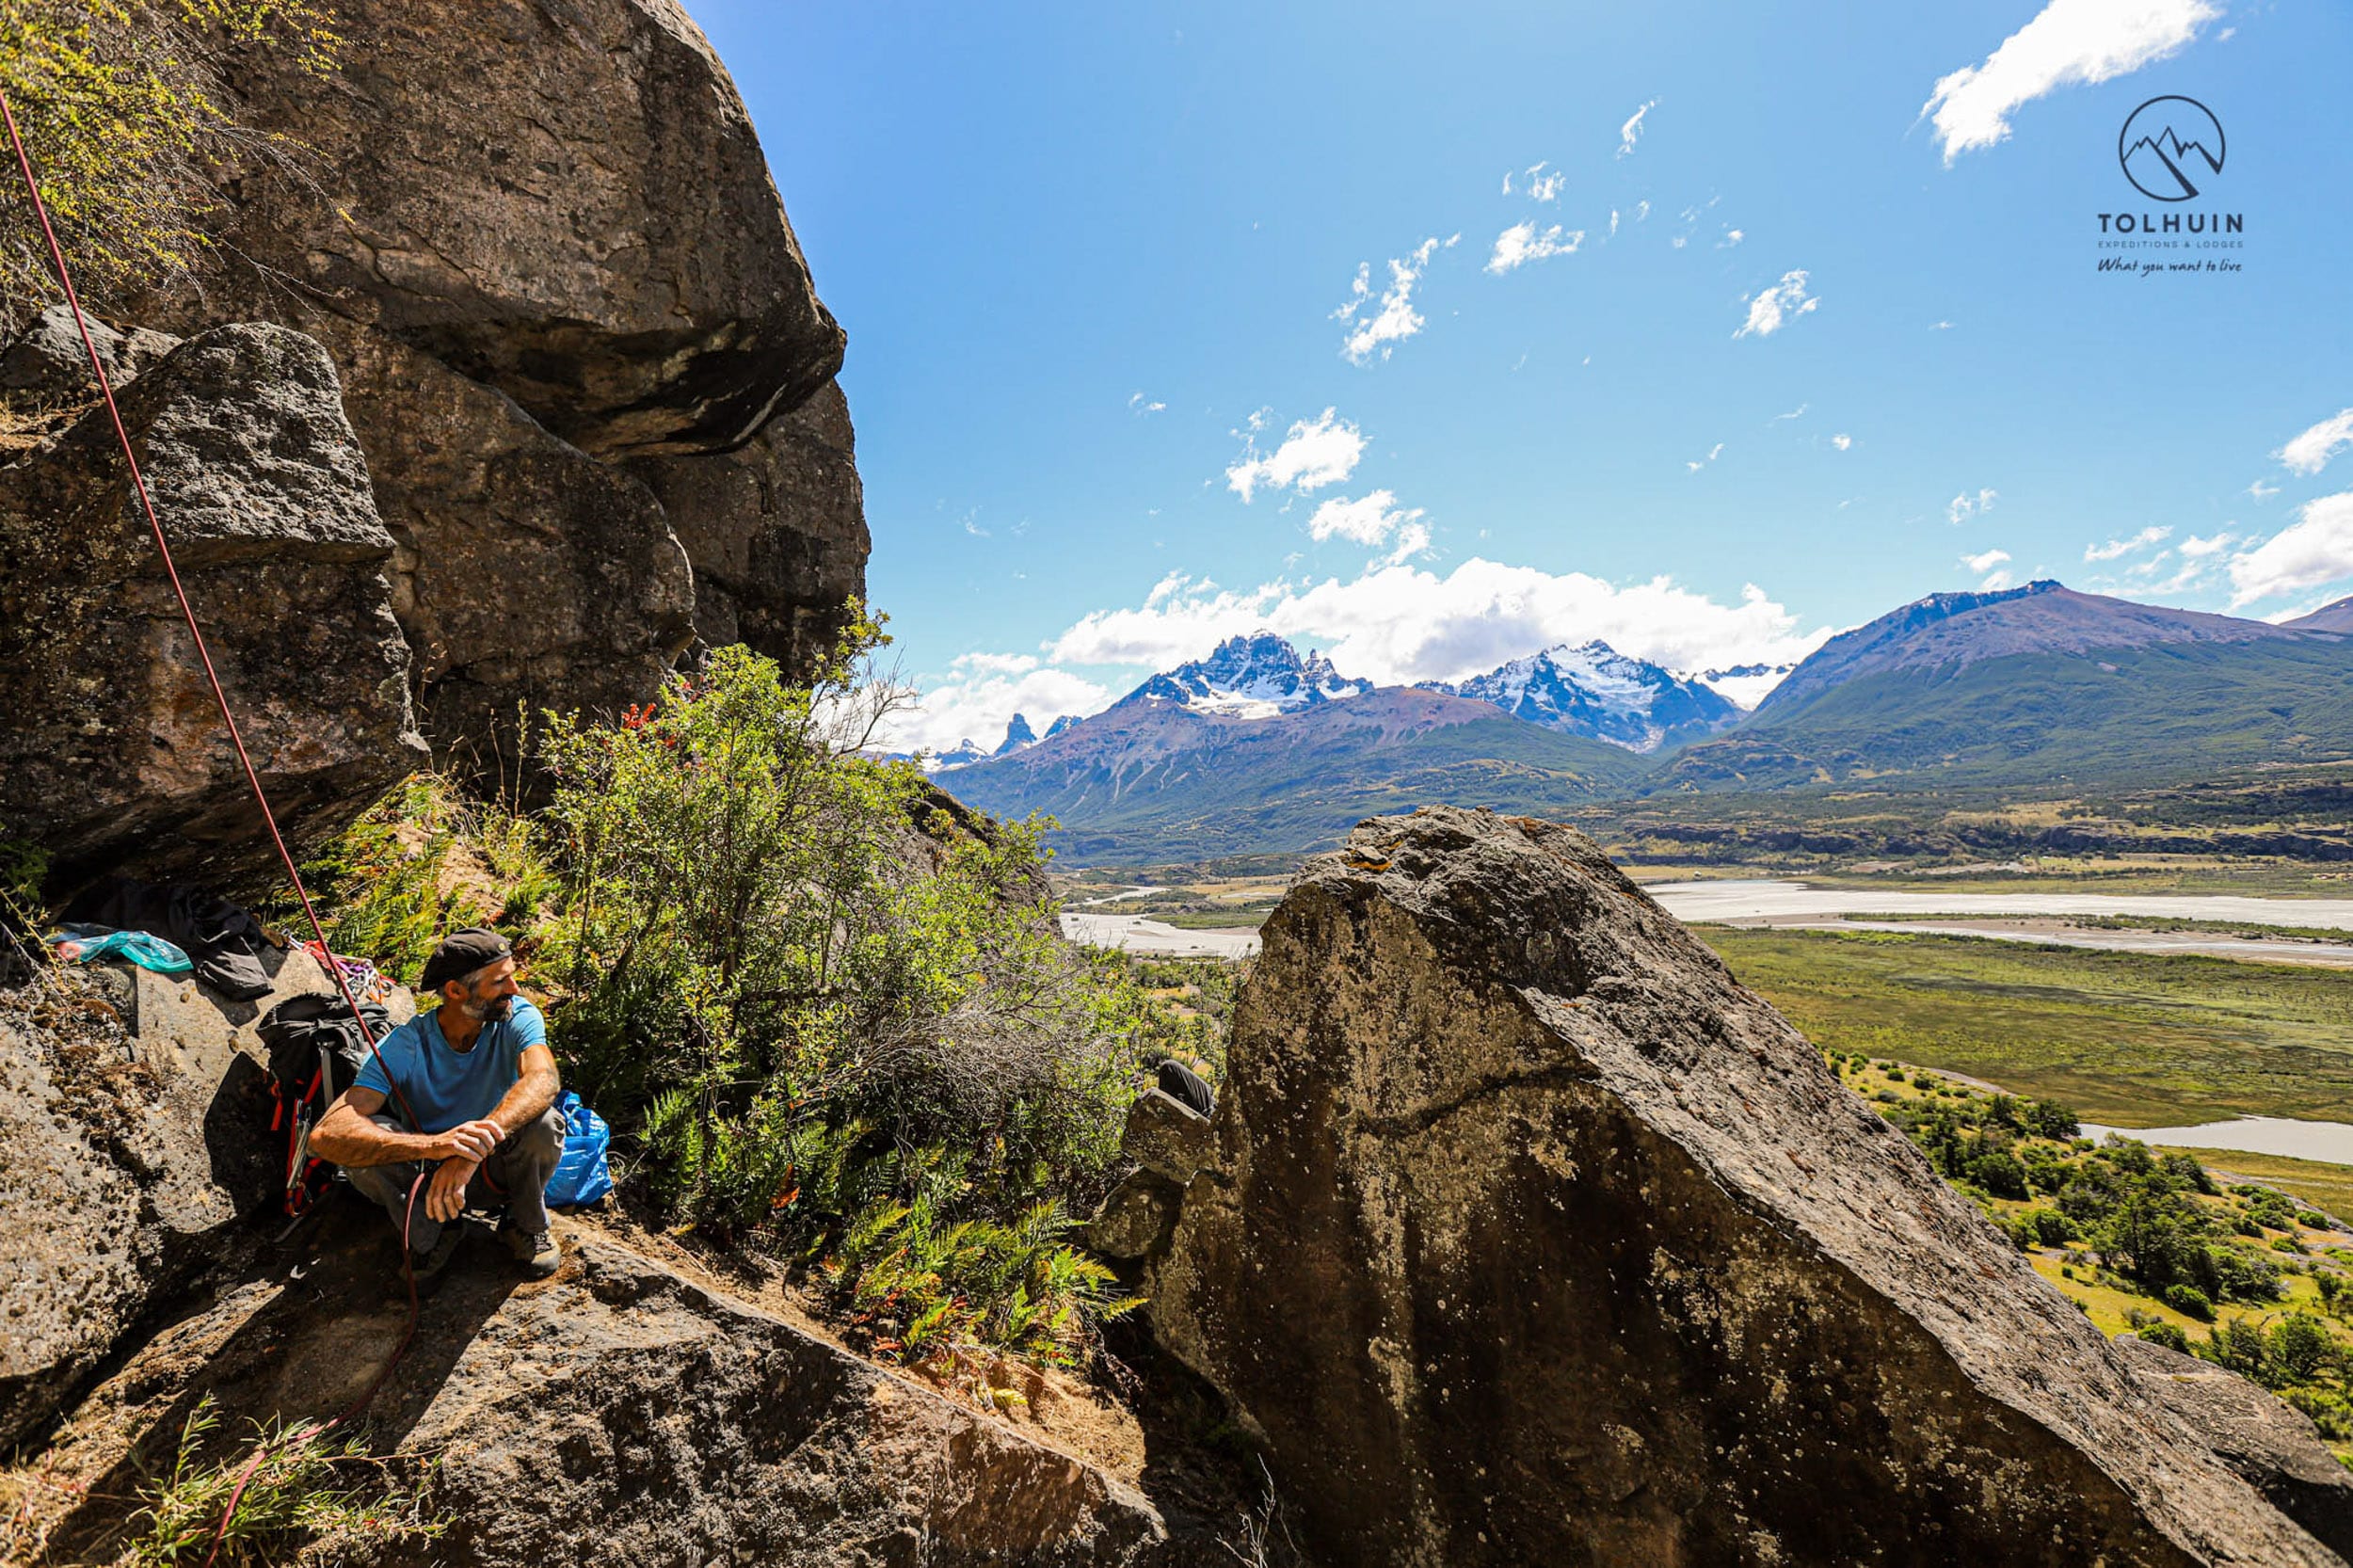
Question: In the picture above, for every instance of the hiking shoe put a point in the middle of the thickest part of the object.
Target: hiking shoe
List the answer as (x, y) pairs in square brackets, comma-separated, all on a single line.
[(536, 1250), (429, 1264)]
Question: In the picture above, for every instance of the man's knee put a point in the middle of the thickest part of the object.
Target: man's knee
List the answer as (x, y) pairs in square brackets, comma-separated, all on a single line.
[(538, 1144), (544, 1133)]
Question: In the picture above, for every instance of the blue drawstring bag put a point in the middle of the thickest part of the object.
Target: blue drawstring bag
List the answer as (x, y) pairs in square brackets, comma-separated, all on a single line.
[(581, 1175)]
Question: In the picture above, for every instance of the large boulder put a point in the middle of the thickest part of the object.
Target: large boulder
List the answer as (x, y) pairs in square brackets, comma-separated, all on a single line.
[(542, 243), (114, 752), (1533, 1236), (2267, 1440), (619, 1413), (777, 530)]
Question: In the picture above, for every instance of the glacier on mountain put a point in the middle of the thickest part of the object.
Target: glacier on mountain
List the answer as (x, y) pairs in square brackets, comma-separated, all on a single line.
[(1592, 689)]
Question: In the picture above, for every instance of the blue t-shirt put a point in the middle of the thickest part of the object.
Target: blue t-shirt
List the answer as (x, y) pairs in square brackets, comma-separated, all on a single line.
[(445, 1087)]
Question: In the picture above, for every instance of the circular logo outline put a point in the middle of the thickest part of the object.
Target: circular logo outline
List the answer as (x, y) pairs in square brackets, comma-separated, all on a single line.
[(2189, 188)]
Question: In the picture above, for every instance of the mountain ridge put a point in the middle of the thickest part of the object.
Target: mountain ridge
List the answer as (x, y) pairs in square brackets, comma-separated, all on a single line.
[(2032, 686)]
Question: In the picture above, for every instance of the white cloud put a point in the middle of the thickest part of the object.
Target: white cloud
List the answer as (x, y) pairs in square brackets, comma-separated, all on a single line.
[(1713, 452), (995, 663), (2309, 452), (1991, 579), (982, 694), (1613, 223), (1369, 521), (2197, 549), (1731, 237), (2262, 492), (1964, 506), (1841, 442), (1641, 211), (2316, 547), (1138, 404), (2116, 548), (2070, 41), (1940, 326), (1395, 319), (1315, 453), (1543, 187), (1413, 539), (1522, 243), (1401, 624), (1770, 310), (1797, 412), (1631, 132)]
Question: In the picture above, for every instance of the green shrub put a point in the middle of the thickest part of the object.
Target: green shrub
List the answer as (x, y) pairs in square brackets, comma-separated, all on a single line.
[(2051, 1227), (2299, 1349), (842, 1022), (2329, 1410), (1999, 1173), (924, 1286), (2158, 1332), (2189, 1301)]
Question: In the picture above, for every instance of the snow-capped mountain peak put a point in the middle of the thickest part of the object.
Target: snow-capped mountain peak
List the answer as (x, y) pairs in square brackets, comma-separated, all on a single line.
[(1254, 676), (1593, 688), (1018, 737)]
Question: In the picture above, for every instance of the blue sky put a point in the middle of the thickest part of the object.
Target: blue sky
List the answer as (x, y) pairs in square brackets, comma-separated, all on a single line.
[(1821, 332)]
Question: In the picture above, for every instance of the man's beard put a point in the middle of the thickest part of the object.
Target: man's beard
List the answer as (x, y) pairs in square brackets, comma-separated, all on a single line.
[(489, 1012)]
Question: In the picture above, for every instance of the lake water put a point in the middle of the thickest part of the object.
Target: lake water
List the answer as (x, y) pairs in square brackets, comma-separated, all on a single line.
[(1762, 899), (1782, 901), (2279, 1135), (1141, 934)]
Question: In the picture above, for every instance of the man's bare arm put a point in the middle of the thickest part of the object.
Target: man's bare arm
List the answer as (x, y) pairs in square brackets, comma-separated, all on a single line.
[(535, 1090), (347, 1136)]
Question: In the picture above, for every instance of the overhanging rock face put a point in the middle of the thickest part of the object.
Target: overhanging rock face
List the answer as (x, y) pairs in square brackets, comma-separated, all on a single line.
[(542, 244), (1533, 1236)]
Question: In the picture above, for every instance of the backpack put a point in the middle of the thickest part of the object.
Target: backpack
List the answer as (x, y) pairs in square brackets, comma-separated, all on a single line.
[(316, 1050)]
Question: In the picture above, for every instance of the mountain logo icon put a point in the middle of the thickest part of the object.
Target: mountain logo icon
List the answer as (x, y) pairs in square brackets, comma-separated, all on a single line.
[(2168, 146)]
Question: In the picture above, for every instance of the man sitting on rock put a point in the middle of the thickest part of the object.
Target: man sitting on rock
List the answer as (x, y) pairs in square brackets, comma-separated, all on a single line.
[(478, 1076)]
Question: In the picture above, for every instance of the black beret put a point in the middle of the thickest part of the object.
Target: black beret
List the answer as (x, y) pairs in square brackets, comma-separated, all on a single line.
[(460, 953)]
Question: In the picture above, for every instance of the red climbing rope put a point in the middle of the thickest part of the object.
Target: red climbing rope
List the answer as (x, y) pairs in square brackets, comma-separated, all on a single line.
[(254, 781), (163, 547)]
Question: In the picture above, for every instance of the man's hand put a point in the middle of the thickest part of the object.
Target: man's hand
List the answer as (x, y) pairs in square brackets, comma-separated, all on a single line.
[(471, 1141), (445, 1198)]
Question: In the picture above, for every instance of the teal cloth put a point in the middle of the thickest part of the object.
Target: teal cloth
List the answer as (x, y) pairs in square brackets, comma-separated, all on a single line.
[(81, 944), (444, 1087)]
